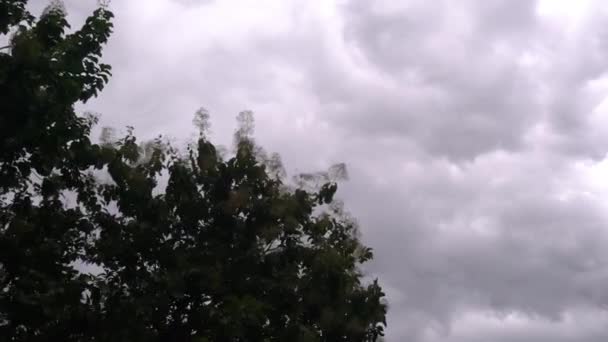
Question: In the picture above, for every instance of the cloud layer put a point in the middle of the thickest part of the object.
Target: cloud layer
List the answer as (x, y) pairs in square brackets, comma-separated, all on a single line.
[(475, 133)]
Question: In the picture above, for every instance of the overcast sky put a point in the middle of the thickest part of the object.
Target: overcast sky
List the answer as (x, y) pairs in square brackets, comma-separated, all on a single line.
[(475, 133)]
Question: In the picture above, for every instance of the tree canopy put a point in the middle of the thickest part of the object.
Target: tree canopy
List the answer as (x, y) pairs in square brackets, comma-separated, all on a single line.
[(123, 240)]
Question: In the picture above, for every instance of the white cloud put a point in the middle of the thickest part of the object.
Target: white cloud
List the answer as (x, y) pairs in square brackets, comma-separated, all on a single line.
[(475, 135)]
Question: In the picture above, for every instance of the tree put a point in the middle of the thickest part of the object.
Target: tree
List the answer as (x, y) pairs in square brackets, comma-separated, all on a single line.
[(188, 246), (44, 150)]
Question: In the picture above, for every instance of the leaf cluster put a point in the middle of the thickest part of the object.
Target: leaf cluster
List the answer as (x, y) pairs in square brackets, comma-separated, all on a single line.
[(130, 241)]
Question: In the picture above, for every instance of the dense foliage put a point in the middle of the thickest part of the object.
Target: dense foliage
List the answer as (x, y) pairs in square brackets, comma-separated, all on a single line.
[(129, 241)]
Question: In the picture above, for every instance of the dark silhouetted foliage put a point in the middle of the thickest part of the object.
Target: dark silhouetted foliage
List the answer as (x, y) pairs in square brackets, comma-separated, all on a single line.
[(129, 241)]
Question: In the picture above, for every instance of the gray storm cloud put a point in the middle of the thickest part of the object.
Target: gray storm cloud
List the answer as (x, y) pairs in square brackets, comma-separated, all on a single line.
[(474, 132)]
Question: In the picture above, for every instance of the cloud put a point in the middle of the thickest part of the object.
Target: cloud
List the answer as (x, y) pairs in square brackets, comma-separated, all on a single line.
[(485, 237), (474, 132)]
